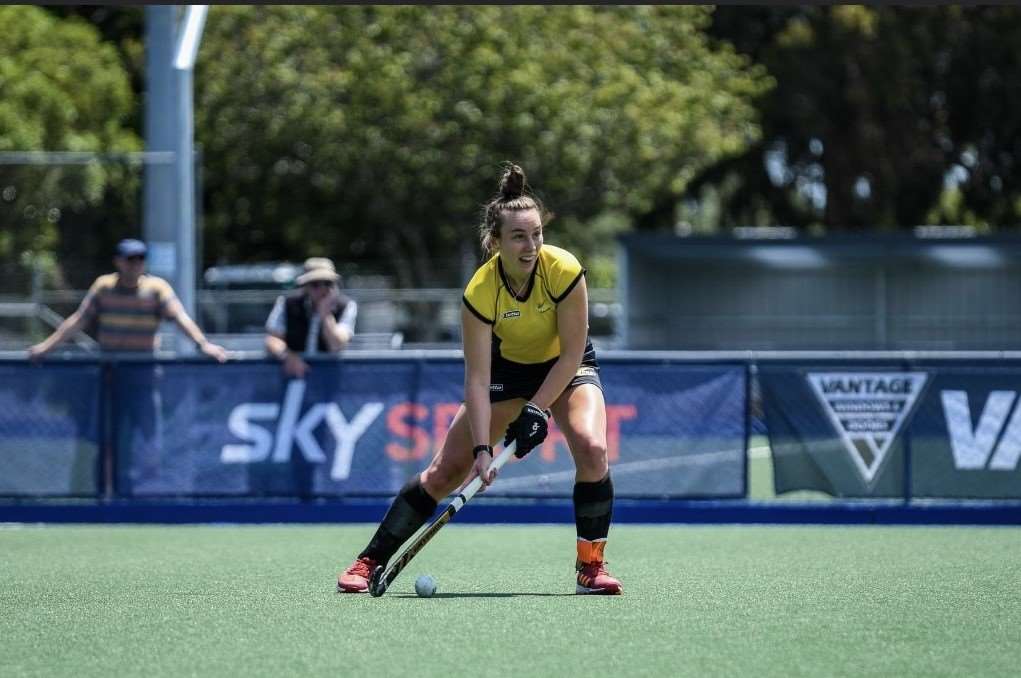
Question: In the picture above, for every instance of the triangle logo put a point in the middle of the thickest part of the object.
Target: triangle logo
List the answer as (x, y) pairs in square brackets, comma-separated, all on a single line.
[(867, 409)]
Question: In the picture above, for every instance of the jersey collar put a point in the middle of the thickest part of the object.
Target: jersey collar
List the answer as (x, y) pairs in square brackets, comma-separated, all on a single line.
[(506, 282)]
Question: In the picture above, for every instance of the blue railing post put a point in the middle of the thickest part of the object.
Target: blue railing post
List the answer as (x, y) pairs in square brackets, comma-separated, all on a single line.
[(106, 431), (751, 369)]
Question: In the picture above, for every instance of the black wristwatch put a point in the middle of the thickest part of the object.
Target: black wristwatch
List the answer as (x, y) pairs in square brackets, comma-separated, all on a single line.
[(479, 449)]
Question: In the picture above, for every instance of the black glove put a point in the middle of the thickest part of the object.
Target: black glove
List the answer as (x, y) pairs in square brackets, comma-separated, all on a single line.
[(529, 429)]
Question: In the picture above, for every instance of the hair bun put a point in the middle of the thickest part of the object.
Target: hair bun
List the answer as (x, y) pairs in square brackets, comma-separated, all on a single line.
[(512, 185)]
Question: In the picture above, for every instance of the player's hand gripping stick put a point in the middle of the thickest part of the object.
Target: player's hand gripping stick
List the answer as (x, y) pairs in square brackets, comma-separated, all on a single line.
[(381, 579)]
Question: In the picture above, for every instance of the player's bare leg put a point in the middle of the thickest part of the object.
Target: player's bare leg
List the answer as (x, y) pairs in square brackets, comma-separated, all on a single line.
[(451, 466), (417, 500), (581, 415)]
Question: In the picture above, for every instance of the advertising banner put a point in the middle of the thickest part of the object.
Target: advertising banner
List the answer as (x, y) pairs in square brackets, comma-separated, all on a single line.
[(49, 429), (362, 428), (862, 431), (966, 434)]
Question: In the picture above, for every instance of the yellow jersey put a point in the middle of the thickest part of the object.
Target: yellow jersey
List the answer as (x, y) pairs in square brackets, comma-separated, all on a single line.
[(525, 327)]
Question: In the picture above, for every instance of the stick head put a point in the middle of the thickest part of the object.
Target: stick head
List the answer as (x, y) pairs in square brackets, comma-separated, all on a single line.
[(377, 586)]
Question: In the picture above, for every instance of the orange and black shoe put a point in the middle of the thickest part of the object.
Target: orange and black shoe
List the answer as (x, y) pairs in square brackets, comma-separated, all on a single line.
[(355, 579), (593, 579)]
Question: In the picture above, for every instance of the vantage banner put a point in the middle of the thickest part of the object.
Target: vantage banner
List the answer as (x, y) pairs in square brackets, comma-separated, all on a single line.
[(919, 430)]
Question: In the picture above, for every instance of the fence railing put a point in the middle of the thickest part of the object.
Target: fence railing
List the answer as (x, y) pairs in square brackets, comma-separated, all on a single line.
[(421, 317)]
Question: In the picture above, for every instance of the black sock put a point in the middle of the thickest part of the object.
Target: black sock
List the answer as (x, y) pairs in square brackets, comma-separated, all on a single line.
[(593, 507), (408, 512)]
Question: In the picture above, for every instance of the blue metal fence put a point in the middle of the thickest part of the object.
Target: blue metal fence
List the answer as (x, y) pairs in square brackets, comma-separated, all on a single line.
[(893, 438)]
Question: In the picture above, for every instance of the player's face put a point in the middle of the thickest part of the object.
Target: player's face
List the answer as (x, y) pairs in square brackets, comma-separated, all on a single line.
[(520, 240)]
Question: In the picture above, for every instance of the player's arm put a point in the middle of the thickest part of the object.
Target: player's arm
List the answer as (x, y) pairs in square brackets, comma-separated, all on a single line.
[(572, 324), (477, 339)]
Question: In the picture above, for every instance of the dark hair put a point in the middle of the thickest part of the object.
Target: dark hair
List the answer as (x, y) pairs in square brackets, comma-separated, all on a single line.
[(514, 196)]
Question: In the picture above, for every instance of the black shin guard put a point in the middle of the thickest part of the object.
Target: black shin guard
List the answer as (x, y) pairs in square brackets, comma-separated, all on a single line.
[(593, 507), (408, 512)]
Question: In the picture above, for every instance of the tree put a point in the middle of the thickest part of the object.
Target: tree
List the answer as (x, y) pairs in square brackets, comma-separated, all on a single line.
[(63, 89), (377, 132), (898, 115), (980, 94)]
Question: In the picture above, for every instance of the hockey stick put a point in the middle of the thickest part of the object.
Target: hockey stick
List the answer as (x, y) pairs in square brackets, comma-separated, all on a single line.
[(381, 579)]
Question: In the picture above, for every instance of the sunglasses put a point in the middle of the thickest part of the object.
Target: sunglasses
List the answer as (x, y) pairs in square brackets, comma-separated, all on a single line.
[(136, 257), (319, 283)]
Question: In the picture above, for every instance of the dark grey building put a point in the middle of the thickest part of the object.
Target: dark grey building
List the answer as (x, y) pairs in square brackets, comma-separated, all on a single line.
[(889, 292)]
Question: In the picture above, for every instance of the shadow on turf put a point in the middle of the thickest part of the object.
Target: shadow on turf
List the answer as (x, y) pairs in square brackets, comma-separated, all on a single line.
[(480, 595)]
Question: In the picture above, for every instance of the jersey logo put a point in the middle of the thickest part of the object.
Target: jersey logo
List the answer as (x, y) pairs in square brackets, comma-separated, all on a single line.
[(496, 387), (543, 307), (512, 314)]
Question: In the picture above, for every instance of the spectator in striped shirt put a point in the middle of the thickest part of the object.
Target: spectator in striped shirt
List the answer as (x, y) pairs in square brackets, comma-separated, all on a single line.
[(127, 308)]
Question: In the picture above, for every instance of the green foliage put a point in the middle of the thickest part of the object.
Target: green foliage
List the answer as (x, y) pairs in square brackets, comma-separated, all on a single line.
[(376, 132), (366, 132), (887, 98), (63, 89)]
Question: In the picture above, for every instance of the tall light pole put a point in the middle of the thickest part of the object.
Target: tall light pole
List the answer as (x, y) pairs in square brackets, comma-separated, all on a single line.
[(189, 36), (169, 213)]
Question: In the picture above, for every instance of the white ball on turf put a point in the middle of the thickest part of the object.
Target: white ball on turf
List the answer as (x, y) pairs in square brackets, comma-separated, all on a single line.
[(425, 586)]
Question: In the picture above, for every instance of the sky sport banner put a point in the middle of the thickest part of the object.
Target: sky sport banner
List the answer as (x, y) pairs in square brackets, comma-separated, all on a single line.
[(362, 428), (49, 429), (952, 429)]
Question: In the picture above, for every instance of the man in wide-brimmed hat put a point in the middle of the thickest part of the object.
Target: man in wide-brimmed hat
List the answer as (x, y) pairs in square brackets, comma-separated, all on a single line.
[(318, 318)]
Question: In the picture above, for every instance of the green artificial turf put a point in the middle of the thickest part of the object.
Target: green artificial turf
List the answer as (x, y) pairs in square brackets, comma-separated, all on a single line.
[(699, 601)]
